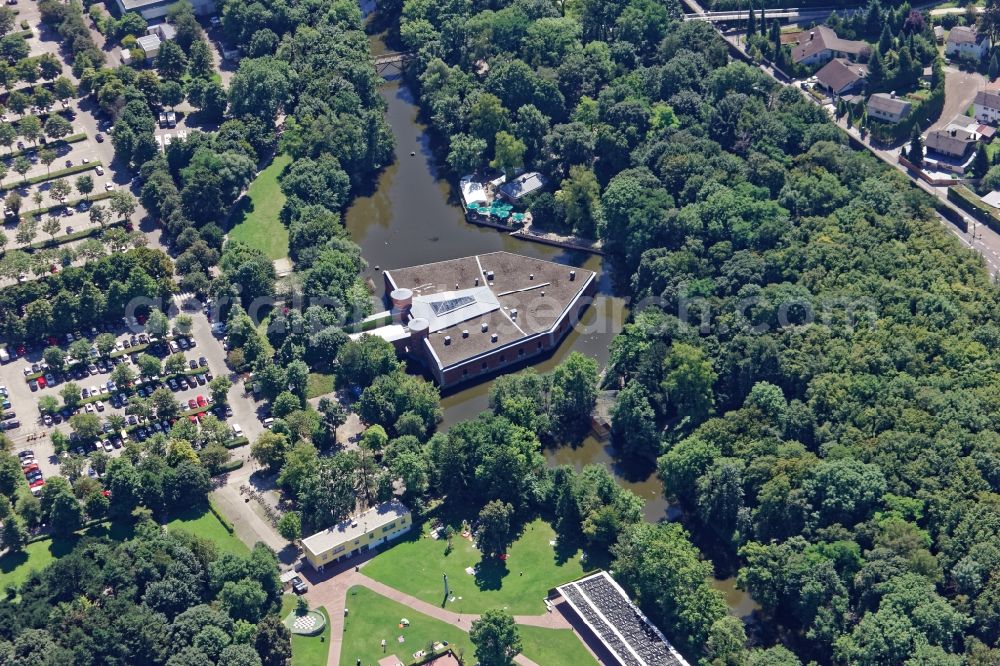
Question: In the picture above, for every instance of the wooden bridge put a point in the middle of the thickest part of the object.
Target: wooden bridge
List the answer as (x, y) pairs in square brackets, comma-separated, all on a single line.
[(387, 62)]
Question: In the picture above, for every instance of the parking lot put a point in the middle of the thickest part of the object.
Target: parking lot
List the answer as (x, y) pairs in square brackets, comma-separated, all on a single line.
[(204, 358)]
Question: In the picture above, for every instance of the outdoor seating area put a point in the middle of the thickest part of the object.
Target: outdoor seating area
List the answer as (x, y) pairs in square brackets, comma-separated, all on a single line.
[(498, 210)]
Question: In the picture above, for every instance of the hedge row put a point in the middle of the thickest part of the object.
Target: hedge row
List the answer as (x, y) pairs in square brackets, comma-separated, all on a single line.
[(72, 138), (970, 202), (73, 203), (230, 466), (218, 514), (237, 443)]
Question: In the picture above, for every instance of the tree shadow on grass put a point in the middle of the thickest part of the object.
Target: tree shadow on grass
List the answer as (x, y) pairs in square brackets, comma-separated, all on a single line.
[(11, 561), (565, 550), (490, 573), (240, 212)]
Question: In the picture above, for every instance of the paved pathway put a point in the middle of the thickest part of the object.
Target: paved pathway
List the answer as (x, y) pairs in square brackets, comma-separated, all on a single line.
[(332, 593)]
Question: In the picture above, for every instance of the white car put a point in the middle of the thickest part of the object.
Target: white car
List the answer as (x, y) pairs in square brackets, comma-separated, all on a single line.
[(109, 186), (99, 169)]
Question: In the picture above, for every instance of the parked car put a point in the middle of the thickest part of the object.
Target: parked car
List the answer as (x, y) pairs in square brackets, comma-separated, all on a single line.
[(99, 137), (298, 585)]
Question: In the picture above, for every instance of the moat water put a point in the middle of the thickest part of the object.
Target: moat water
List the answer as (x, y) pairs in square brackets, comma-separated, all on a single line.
[(414, 216)]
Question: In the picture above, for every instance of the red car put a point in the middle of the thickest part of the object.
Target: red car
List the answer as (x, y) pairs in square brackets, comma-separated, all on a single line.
[(201, 401), (37, 483), (192, 404), (41, 382)]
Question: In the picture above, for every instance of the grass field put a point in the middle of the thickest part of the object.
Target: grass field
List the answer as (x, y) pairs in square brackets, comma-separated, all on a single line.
[(554, 647), (307, 650), (204, 524), (415, 565), (256, 222), (372, 618), (319, 384), (15, 567)]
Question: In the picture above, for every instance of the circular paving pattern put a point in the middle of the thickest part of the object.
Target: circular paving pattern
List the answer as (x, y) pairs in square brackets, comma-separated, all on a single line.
[(309, 624)]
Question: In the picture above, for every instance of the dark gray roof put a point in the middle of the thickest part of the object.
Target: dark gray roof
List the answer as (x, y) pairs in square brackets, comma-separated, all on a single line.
[(964, 35), (886, 103), (988, 98), (821, 38), (839, 74), (540, 291), (523, 185)]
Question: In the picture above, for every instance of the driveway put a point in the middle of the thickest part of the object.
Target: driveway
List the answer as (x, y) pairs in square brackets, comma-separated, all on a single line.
[(960, 89)]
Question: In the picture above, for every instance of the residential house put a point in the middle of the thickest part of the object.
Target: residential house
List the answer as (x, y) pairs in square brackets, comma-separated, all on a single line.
[(888, 108), (958, 139), (841, 76), (966, 41), (986, 106), (822, 44), (357, 534)]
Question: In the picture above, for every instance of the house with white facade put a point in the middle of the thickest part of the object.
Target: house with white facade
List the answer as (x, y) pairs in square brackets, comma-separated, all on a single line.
[(986, 106), (821, 44), (966, 41), (888, 108)]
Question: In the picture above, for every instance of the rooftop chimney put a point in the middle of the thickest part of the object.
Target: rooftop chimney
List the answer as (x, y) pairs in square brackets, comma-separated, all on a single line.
[(531, 276), (447, 339), (892, 94), (513, 313), (572, 275), (465, 332), (485, 327), (493, 338)]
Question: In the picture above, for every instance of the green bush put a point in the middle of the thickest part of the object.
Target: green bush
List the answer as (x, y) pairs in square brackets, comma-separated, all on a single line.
[(218, 514)]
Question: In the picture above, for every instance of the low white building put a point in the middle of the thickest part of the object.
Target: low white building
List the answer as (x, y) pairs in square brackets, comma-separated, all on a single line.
[(150, 45), (965, 41)]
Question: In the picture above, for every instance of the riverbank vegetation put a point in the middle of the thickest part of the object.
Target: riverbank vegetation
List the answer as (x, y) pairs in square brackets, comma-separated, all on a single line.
[(812, 332)]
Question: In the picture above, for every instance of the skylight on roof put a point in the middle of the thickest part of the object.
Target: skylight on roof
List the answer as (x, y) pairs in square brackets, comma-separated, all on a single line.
[(445, 306)]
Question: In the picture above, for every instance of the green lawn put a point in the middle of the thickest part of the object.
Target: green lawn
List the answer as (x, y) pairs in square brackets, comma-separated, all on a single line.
[(15, 567), (204, 524), (372, 618), (554, 647), (319, 384), (256, 222), (415, 564), (307, 650)]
